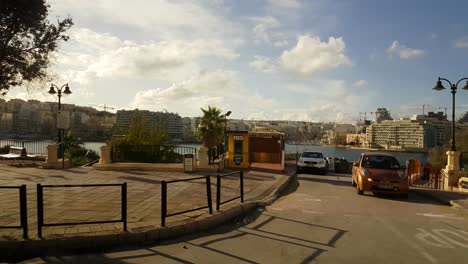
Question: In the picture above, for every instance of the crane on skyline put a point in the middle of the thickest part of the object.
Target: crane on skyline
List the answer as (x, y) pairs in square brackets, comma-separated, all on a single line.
[(105, 107)]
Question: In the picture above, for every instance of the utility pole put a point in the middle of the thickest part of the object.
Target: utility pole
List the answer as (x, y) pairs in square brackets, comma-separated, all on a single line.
[(424, 105), (365, 115)]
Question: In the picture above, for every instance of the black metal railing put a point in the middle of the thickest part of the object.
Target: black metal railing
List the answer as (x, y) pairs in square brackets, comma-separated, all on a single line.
[(36, 147), (218, 188), (40, 206), (150, 153), (23, 210), (164, 213)]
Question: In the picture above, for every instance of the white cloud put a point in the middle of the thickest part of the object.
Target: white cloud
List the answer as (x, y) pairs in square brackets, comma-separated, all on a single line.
[(104, 55), (462, 43), (263, 64), (266, 31), (166, 19), (403, 51), (361, 84), (285, 3), (310, 55), (186, 97), (281, 43), (323, 96)]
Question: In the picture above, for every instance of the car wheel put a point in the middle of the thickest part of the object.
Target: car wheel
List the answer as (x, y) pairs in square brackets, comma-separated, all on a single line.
[(404, 195), (359, 191)]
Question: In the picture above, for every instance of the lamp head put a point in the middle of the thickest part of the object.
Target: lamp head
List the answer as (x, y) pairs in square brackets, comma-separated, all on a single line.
[(67, 89), (439, 86), (466, 86), (52, 90)]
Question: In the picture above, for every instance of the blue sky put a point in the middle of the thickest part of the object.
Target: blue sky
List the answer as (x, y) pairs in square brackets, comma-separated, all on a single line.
[(317, 60)]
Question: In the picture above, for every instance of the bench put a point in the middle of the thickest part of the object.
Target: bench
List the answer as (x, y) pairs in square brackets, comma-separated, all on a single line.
[(17, 153)]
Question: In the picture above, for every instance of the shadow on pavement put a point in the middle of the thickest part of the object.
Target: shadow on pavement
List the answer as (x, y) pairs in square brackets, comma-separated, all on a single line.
[(338, 180), (412, 198), (97, 259)]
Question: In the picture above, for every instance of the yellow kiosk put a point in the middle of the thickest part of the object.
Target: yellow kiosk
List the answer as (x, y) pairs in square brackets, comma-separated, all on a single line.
[(238, 150)]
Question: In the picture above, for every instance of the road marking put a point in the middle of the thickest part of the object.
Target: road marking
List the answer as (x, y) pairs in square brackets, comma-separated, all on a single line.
[(312, 212), (410, 243), (449, 216), (311, 199), (452, 234), (430, 239), (277, 209)]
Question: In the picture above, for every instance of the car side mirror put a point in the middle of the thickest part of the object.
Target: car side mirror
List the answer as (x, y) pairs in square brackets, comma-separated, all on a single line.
[(355, 164)]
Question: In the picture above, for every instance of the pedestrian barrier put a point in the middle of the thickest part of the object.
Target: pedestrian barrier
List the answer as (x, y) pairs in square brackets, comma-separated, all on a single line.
[(218, 188), (424, 176), (164, 184), (40, 206), (37, 147), (23, 210)]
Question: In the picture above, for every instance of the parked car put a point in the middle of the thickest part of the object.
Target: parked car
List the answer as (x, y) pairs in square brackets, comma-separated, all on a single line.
[(312, 161), (379, 173)]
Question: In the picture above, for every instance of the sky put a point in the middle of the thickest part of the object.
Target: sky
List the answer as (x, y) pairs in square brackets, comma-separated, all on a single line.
[(307, 60)]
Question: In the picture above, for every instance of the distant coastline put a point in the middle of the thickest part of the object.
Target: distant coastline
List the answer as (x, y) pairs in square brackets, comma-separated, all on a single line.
[(381, 149)]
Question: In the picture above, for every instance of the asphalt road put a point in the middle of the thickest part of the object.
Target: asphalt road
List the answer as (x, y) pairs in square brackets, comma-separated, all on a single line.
[(323, 221)]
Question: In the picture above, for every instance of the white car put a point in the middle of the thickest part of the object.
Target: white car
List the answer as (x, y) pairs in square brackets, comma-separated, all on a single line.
[(312, 161)]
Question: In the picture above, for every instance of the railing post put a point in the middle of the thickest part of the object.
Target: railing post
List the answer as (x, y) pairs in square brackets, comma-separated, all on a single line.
[(124, 205), (163, 203), (24, 211), (242, 185), (208, 194), (218, 191), (40, 210)]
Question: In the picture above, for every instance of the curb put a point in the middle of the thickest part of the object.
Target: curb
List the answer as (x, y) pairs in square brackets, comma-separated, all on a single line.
[(20, 250)]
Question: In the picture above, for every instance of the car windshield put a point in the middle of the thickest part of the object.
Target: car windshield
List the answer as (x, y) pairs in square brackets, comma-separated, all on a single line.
[(380, 162), (314, 155)]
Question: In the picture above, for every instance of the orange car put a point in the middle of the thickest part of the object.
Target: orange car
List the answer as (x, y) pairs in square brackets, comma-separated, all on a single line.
[(379, 173)]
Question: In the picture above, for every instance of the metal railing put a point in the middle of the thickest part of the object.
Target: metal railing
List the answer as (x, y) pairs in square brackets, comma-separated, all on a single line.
[(164, 213), (23, 210), (150, 153), (37, 147), (218, 188), (425, 177), (40, 206)]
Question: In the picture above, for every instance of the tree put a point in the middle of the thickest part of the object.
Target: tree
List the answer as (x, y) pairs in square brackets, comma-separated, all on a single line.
[(463, 119), (27, 39), (211, 127)]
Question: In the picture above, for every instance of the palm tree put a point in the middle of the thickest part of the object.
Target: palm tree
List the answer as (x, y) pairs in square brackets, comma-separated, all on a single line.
[(211, 127)]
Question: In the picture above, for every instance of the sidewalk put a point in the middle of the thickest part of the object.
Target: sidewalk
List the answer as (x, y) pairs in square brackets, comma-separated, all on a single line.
[(103, 203), (453, 198)]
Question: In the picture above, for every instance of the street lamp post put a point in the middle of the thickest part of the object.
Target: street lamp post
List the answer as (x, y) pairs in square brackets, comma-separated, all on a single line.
[(228, 113), (453, 88), (59, 95)]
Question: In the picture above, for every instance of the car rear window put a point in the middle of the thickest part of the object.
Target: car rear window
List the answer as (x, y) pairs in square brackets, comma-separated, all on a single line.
[(315, 155), (380, 162)]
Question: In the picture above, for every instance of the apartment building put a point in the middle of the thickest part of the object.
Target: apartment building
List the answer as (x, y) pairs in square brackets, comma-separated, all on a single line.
[(418, 132), (171, 123)]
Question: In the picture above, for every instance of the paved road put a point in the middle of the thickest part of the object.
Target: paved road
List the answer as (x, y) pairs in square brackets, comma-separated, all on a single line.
[(323, 221)]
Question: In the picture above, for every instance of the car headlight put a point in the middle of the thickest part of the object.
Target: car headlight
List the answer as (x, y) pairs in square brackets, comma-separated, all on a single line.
[(401, 174), (322, 162), (365, 173)]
